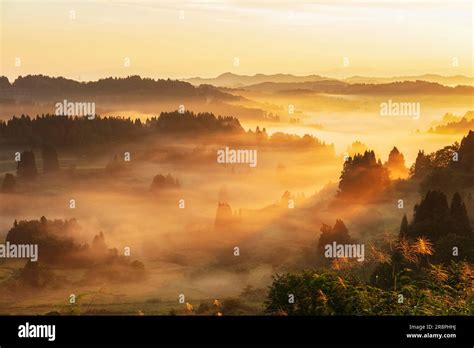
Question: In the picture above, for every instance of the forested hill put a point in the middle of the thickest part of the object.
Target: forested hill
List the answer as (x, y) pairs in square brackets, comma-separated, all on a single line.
[(44, 86), (78, 132), (75, 131), (339, 87)]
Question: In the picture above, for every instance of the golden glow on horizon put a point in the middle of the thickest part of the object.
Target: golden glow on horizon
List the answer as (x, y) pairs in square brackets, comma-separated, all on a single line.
[(202, 38)]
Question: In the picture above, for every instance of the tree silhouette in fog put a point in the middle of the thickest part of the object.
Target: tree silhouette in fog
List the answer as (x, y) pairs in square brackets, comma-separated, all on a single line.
[(422, 165), (404, 227), (449, 169), (466, 152), (79, 131), (161, 182), (363, 178), (396, 164), (338, 233), (447, 226), (460, 220), (27, 165)]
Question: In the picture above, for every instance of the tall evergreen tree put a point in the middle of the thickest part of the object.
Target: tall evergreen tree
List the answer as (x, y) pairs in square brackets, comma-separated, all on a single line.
[(422, 165), (404, 227), (466, 152), (432, 217), (395, 158), (363, 178), (396, 164), (339, 234), (460, 219)]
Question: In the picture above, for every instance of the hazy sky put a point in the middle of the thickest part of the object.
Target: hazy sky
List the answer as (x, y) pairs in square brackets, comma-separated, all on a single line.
[(93, 39)]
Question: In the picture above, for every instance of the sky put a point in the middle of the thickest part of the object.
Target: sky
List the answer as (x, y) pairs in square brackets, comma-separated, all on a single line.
[(88, 40)]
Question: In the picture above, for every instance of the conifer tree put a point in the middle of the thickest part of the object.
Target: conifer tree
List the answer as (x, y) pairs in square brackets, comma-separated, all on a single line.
[(432, 217), (422, 165), (404, 227), (460, 219)]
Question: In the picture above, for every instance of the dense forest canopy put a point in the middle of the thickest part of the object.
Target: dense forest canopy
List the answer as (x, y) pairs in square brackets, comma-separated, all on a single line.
[(43, 86), (74, 131)]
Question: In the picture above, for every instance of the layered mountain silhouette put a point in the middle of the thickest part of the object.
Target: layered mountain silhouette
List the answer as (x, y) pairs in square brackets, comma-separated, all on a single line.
[(451, 124), (339, 87), (236, 81), (444, 80), (40, 86)]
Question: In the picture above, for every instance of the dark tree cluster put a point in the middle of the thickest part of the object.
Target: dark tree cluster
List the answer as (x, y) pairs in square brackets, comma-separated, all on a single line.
[(68, 131), (396, 164), (280, 139), (27, 169), (433, 218), (338, 233), (57, 245), (80, 131), (453, 124), (466, 152), (54, 237), (450, 169), (422, 165), (161, 182), (444, 158), (134, 87), (439, 236), (363, 178), (189, 122)]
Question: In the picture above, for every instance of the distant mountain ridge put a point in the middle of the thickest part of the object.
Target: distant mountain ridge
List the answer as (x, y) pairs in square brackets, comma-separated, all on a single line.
[(235, 81), (444, 80), (45, 86), (339, 87), (451, 124), (232, 80)]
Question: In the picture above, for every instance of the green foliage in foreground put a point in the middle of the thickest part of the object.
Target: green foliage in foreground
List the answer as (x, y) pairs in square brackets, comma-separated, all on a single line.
[(323, 292)]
